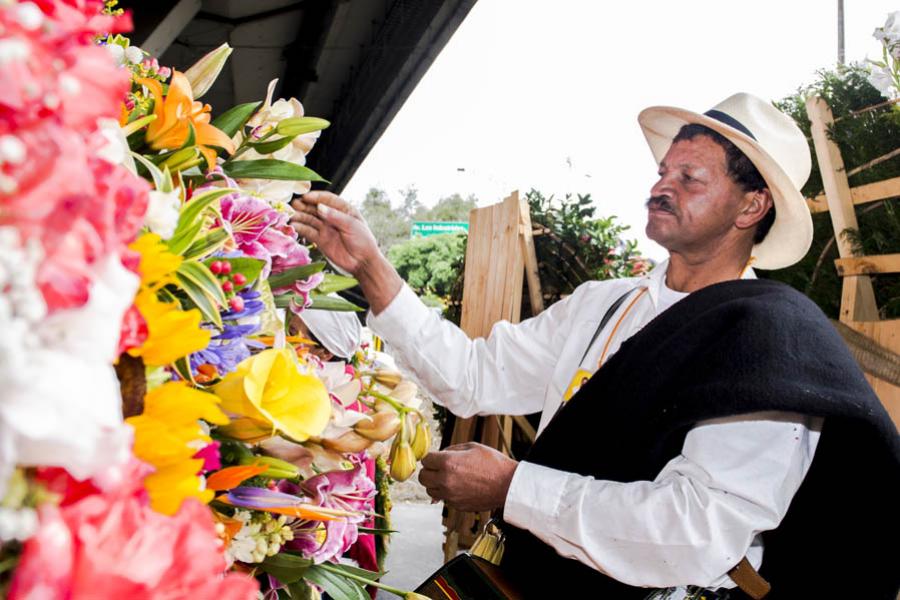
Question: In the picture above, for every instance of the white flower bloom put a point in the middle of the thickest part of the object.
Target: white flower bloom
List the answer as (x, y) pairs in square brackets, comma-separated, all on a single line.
[(12, 150), (891, 30), (134, 54), (162, 213), (118, 53), (29, 15), (17, 523), (882, 80), (60, 403), (265, 120)]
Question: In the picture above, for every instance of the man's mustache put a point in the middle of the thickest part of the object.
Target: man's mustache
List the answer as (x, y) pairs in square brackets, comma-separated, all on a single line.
[(661, 203)]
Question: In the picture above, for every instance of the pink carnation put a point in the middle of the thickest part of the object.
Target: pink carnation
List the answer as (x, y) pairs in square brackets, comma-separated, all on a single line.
[(111, 544)]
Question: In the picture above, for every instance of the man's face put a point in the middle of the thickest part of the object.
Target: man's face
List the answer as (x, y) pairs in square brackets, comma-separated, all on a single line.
[(695, 203)]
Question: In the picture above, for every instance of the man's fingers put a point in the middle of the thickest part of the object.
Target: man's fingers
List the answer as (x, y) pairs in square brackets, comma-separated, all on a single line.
[(314, 199), (461, 447), (434, 461), (336, 218), (310, 234), (309, 220)]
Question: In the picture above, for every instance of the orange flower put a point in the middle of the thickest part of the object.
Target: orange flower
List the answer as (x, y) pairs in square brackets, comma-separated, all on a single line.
[(230, 477), (175, 113)]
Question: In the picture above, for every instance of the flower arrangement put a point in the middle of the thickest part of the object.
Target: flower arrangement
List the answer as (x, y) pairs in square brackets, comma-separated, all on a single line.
[(163, 431), (884, 74)]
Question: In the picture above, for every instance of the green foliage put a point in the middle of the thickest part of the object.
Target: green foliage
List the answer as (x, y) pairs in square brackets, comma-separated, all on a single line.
[(575, 247), (430, 265), (861, 138), (451, 208)]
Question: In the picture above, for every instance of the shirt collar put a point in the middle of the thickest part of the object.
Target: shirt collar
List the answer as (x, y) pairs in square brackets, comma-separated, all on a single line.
[(656, 279)]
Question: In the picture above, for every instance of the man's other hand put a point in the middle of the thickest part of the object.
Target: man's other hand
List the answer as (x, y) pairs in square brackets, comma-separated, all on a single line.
[(470, 477)]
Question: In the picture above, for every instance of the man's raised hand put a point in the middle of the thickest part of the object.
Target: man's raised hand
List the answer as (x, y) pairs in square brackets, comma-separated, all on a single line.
[(470, 476), (336, 228)]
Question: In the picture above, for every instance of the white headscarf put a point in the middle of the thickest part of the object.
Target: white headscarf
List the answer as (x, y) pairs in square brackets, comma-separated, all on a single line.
[(338, 332)]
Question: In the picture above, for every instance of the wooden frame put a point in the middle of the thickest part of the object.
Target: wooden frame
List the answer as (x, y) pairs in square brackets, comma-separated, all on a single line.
[(500, 256), (859, 312)]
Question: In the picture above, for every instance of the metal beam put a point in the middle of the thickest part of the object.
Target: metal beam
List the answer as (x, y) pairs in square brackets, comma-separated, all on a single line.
[(406, 44), (173, 23)]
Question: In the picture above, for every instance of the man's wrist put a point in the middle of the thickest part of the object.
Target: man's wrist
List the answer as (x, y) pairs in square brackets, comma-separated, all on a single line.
[(379, 281)]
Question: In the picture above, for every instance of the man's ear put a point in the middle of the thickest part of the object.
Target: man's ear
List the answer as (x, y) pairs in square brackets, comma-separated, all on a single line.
[(754, 207)]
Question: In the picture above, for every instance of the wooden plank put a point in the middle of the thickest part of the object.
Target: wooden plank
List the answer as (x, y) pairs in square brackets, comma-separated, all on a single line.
[(868, 265), (863, 194), (886, 334), (532, 274), (525, 426), (858, 299)]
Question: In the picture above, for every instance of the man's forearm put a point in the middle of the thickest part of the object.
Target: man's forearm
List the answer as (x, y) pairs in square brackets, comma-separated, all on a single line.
[(379, 281)]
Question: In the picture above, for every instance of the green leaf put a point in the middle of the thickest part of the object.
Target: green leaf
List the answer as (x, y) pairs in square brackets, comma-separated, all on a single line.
[(269, 168), (234, 119), (208, 244), (183, 368), (335, 283), (287, 278), (376, 531), (300, 590), (339, 588), (294, 126), (190, 220), (286, 568), (202, 288), (271, 146), (284, 300), (335, 303), (373, 575), (160, 181)]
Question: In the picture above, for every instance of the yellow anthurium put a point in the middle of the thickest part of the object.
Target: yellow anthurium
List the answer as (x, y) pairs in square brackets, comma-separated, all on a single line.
[(166, 436), (176, 112), (269, 390), (171, 332)]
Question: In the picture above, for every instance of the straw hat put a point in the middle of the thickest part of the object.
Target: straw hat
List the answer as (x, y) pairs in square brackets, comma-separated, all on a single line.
[(773, 143)]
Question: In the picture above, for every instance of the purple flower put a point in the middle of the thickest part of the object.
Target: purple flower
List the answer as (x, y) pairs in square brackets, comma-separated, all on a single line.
[(349, 490)]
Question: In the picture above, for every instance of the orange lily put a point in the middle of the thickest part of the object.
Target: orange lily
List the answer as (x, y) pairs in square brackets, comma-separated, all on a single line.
[(230, 477), (176, 112)]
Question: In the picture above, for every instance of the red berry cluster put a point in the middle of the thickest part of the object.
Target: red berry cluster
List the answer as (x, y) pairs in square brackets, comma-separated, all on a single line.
[(231, 284)]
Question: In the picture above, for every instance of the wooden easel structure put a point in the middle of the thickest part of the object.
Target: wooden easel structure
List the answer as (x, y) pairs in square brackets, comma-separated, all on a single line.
[(499, 252), (877, 351)]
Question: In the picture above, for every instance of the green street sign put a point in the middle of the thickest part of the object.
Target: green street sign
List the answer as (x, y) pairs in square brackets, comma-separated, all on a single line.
[(426, 228)]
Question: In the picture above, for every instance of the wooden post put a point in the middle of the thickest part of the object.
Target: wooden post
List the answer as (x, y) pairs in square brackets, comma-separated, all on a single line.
[(499, 255), (858, 298)]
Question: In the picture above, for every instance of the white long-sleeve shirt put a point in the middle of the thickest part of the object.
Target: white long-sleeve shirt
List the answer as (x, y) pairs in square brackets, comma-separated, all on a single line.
[(734, 478)]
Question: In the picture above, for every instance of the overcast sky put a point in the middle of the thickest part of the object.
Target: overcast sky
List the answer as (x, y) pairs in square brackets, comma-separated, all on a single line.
[(526, 88)]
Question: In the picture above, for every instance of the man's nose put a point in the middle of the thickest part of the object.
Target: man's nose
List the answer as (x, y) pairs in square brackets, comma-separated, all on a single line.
[(662, 187)]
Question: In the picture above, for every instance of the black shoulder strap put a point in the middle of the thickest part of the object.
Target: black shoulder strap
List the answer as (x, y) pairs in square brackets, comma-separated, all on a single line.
[(603, 322)]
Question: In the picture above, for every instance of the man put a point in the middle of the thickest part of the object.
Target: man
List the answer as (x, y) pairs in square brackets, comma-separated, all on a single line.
[(682, 455)]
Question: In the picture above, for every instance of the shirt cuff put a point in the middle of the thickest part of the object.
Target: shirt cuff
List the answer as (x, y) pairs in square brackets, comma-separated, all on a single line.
[(404, 313), (534, 497)]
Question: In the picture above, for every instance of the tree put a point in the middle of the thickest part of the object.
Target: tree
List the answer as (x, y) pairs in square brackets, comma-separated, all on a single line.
[(450, 208), (430, 265), (861, 138), (388, 225)]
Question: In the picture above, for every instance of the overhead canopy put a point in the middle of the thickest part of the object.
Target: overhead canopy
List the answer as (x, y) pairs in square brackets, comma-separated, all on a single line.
[(353, 62)]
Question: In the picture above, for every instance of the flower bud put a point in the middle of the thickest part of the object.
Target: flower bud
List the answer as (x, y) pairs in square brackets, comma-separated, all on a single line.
[(383, 424), (387, 378), (204, 72), (421, 442), (403, 461), (294, 126), (405, 392), (349, 442)]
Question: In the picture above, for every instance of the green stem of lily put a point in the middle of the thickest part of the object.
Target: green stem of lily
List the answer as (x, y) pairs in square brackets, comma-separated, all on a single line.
[(361, 579), (399, 407), (245, 145)]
